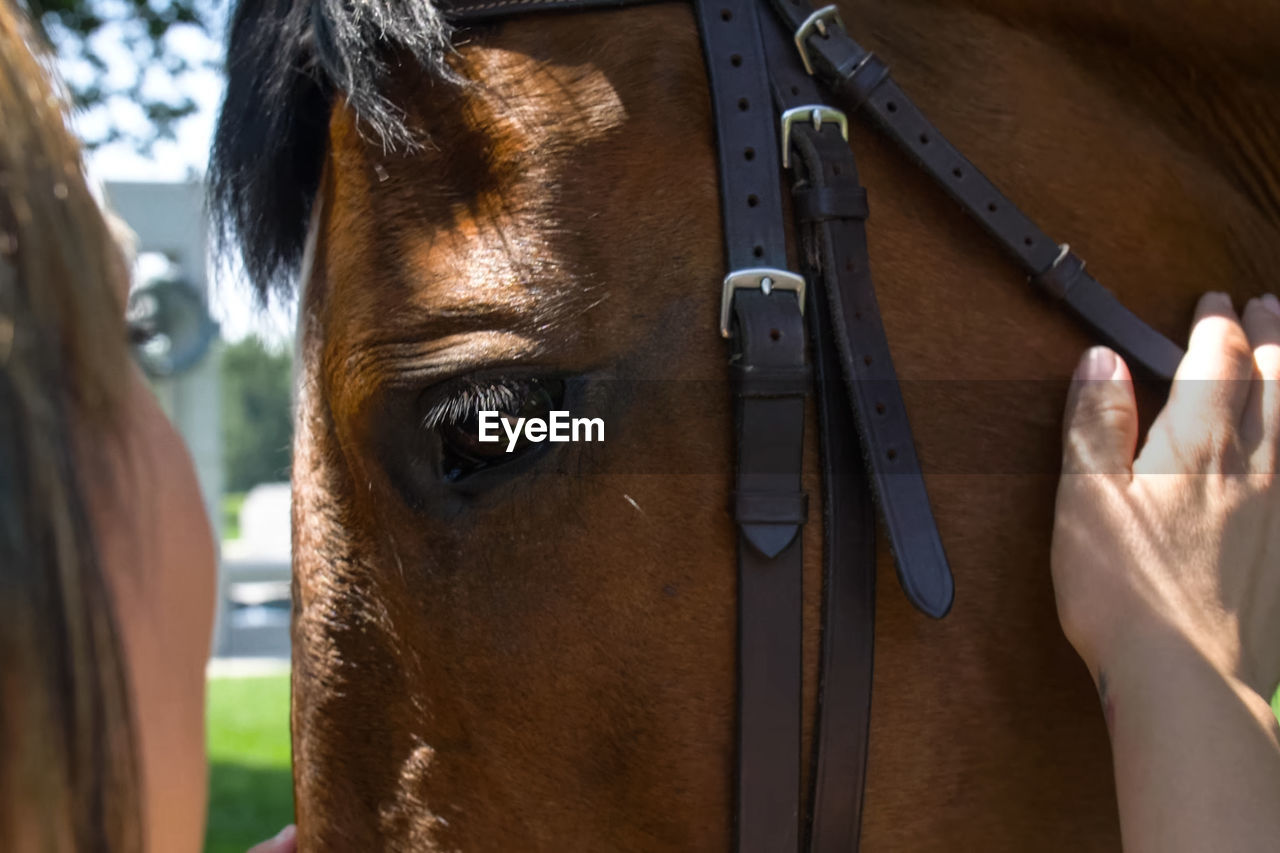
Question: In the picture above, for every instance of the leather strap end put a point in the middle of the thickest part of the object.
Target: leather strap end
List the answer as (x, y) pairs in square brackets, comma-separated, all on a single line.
[(1121, 328), (769, 520), (925, 577), (1067, 280), (769, 539)]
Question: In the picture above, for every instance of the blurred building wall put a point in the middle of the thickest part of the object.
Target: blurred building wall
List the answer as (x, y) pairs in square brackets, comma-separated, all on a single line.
[(169, 218)]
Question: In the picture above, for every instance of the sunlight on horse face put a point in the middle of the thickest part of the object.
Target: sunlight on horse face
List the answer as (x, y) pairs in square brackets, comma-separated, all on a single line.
[(527, 656)]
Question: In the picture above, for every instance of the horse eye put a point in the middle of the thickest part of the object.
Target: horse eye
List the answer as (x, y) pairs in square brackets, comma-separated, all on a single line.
[(462, 451)]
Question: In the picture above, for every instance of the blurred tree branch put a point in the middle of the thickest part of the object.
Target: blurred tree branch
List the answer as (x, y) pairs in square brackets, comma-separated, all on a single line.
[(111, 49)]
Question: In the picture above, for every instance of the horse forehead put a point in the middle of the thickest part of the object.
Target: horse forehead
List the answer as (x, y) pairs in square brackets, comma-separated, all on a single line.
[(543, 85), (541, 105), (522, 158), (540, 191)]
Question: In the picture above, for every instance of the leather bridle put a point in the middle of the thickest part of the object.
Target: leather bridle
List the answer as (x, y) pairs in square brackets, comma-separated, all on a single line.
[(779, 82)]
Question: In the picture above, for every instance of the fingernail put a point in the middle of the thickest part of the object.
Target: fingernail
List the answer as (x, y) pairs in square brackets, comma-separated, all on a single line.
[(1098, 363), (1272, 304), (286, 834)]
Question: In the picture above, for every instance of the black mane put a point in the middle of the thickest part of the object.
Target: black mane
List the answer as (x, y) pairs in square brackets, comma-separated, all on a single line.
[(286, 61)]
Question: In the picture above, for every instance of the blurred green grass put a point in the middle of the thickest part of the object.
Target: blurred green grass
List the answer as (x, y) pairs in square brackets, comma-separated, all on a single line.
[(250, 784)]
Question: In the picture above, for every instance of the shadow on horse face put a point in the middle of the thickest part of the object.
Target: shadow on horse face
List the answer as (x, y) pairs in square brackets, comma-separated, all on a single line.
[(544, 650)]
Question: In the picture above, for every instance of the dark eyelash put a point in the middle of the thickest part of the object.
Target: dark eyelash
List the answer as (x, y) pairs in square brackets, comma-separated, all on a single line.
[(468, 397)]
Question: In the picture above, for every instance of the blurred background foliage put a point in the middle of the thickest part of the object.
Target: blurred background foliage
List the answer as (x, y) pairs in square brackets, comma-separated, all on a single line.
[(128, 59), (257, 424)]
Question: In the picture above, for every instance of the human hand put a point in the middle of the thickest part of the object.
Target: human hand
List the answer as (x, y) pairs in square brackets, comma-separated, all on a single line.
[(286, 841), (1177, 551)]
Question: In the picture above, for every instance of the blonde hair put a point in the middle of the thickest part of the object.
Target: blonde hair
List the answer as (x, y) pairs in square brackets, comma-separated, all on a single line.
[(68, 767)]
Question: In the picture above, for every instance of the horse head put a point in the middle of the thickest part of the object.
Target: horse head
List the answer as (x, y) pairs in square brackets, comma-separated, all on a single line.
[(533, 646)]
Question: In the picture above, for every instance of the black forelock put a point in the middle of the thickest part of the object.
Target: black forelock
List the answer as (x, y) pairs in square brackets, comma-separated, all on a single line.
[(286, 60)]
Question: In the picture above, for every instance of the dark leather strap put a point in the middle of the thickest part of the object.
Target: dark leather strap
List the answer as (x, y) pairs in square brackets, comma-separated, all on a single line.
[(863, 82), (768, 359), (830, 205), (769, 330), (1115, 324), (835, 254), (746, 134), (835, 257), (848, 608)]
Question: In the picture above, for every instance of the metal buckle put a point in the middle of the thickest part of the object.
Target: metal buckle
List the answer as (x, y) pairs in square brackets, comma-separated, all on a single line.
[(765, 279), (815, 22), (817, 113)]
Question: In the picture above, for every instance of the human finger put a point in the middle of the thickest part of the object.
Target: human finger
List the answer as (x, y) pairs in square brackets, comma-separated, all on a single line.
[(1260, 424), (1100, 427), (1211, 385), (286, 841)]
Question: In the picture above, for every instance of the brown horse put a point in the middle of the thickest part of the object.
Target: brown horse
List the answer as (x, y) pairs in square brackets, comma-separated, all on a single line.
[(538, 654)]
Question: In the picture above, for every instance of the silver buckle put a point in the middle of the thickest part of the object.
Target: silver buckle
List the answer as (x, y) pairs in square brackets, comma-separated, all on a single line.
[(817, 22), (817, 113), (764, 279)]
